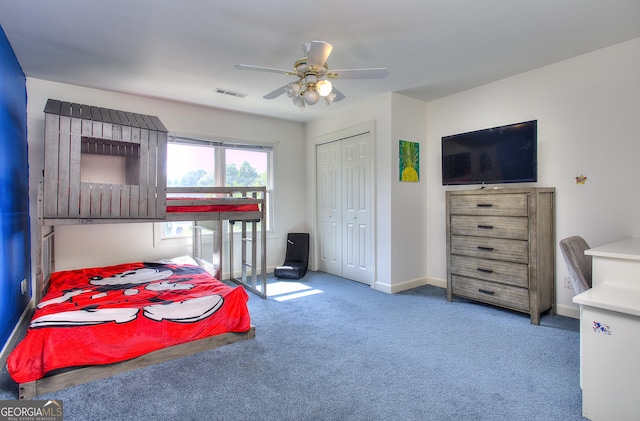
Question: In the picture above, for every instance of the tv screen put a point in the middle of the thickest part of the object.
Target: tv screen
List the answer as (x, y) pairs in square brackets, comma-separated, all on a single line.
[(505, 154)]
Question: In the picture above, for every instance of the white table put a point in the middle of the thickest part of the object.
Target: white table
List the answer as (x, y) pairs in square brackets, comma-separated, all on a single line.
[(610, 333)]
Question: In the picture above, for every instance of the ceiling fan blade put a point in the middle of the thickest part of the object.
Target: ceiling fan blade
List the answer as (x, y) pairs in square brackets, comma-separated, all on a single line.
[(263, 69), (317, 53), (371, 73), (276, 93)]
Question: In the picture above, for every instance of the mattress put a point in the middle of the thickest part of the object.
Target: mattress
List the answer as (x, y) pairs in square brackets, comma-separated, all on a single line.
[(176, 207), (98, 316)]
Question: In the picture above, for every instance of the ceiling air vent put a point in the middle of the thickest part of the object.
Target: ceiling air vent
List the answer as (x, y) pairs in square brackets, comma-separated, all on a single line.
[(231, 93)]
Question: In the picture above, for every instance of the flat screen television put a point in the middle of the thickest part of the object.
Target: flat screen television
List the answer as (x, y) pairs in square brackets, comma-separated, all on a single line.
[(504, 154)]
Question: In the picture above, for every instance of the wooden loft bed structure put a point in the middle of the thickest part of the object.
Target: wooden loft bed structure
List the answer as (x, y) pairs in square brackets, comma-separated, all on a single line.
[(74, 131), (138, 142)]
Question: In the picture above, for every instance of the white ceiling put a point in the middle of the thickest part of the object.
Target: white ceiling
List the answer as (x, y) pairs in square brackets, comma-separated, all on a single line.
[(184, 50)]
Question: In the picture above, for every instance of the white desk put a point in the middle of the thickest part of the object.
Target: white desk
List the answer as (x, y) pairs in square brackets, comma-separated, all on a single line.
[(610, 333)]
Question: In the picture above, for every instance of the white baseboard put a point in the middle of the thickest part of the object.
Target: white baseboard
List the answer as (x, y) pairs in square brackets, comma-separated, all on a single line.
[(395, 288), (442, 283), (568, 311), (410, 284)]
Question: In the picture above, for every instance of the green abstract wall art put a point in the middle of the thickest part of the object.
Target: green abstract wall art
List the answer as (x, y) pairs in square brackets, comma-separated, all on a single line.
[(409, 154)]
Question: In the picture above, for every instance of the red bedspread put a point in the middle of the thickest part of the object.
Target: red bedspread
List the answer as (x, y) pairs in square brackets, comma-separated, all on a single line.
[(111, 314), (176, 207)]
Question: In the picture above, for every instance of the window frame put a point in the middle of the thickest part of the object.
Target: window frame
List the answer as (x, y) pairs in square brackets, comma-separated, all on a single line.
[(220, 180)]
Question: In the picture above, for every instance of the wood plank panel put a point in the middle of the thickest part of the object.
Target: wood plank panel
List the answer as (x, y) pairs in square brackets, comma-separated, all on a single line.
[(96, 130), (116, 198), (85, 200), (144, 181), (106, 195), (107, 126), (162, 175), (74, 166), (126, 128), (152, 168), (134, 202), (87, 124), (51, 147), (96, 200), (125, 198), (64, 152)]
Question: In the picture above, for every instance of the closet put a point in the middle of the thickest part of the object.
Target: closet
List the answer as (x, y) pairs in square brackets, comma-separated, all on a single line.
[(345, 215)]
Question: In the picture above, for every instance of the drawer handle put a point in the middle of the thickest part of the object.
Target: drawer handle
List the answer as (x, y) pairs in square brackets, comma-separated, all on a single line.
[(485, 291), (484, 270), (485, 248), (486, 227), (484, 205)]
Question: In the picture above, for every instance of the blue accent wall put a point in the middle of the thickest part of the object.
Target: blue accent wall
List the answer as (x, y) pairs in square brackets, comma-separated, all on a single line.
[(15, 249)]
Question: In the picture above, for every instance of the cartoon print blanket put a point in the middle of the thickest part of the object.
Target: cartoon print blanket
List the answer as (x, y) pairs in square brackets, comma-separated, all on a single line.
[(106, 315)]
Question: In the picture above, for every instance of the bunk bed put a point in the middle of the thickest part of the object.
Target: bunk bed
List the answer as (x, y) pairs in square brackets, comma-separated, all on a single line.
[(72, 130), (140, 194)]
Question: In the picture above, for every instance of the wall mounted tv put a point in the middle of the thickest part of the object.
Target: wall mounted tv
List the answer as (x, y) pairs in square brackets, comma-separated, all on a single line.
[(505, 154)]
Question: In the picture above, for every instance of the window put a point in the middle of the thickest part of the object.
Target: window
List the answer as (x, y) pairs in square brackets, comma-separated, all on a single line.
[(197, 163)]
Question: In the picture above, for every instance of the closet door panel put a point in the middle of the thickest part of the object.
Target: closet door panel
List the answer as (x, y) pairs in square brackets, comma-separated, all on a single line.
[(329, 207), (356, 213), (344, 189)]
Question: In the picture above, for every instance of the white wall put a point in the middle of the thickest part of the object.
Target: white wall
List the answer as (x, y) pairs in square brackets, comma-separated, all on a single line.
[(408, 200), (588, 110), (82, 246), (400, 208)]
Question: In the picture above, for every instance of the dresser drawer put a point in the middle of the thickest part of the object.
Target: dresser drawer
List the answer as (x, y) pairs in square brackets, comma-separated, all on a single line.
[(514, 227), (489, 204), (515, 274), (490, 248), (490, 292)]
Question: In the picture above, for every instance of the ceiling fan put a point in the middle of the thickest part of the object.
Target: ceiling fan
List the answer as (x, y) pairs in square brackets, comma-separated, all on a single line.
[(313, 76)]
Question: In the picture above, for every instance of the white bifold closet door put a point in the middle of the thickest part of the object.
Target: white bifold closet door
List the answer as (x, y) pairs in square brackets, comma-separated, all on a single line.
[(345, 225)]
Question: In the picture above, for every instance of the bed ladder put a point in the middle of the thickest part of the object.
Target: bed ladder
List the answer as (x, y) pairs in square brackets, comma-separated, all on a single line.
[(249, 248)]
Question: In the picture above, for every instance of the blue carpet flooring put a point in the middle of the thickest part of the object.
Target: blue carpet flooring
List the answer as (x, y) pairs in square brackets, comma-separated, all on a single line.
[(331, 349)]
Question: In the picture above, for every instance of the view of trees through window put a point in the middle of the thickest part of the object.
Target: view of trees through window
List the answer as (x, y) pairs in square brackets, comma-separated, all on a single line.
[(246, 175), (194, 165)]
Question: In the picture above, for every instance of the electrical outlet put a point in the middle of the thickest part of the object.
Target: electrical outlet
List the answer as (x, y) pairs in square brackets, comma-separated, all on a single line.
[(567, 282), (23, 286)]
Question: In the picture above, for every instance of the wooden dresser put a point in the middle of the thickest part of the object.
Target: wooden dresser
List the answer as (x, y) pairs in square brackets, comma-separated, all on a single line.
[(501, 248)]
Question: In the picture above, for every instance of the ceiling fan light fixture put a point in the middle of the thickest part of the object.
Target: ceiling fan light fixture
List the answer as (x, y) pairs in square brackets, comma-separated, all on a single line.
[(329, 98), (324, 88), (312, 72), (293, 89), (298, 102), (310, 95)]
